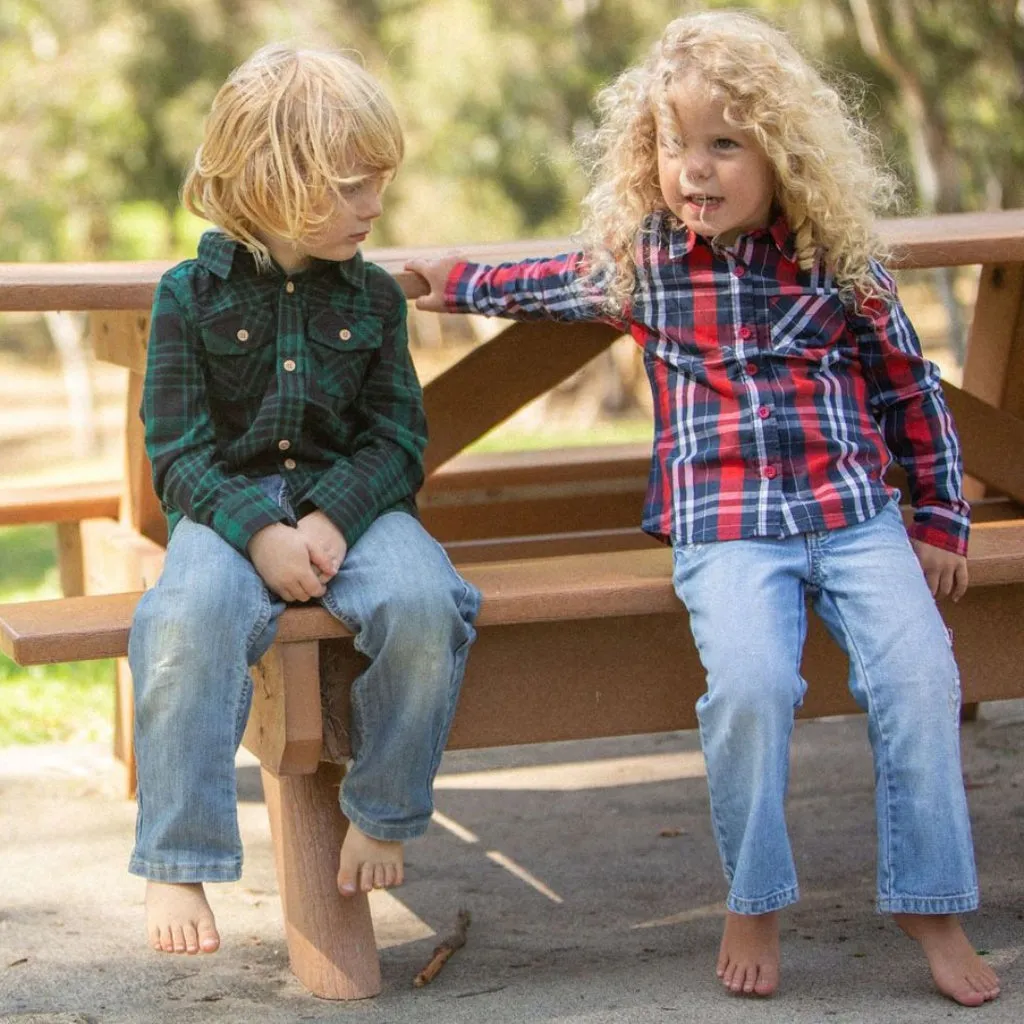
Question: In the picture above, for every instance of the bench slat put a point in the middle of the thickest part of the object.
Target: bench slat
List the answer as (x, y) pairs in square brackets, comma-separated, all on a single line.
[(589, 586), (60, 503)]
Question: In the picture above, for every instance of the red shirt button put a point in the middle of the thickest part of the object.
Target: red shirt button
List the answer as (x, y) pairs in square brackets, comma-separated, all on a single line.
[(764, 412), (740, 271), (769, 472), (745, 332), (751, 368)]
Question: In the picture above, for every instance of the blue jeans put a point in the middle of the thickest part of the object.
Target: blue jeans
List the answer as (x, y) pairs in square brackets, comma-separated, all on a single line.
[(746, 601), (210, 617)]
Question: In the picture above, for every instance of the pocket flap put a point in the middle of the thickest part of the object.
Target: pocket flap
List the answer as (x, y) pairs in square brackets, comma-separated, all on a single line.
[(344, 332)]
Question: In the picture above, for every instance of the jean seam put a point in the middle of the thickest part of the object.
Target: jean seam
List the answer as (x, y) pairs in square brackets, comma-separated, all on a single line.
[(853, 651), (262, 618)]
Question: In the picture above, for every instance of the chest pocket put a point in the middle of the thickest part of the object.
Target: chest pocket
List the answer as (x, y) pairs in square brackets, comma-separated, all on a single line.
[(807, 326), (239, 348), (342, 347)]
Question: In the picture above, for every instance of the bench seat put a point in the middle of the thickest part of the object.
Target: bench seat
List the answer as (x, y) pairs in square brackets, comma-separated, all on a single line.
[(560, 588), (554, 636)]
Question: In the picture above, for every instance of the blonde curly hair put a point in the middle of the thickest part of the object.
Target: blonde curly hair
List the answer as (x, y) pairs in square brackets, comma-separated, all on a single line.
[(827, 184), (284, 135)]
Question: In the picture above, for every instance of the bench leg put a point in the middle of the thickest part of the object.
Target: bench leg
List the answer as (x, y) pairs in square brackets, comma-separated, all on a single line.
[(124, 724), (70, 559), (330, 939)]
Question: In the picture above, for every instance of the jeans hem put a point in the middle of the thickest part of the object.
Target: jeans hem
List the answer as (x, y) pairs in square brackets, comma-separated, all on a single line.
[(185, 874), (765, 904), (387, 833), (960, 904)]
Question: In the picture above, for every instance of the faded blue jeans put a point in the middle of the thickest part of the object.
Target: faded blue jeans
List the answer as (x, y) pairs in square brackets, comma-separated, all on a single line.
[(210, 617), (747, 608)]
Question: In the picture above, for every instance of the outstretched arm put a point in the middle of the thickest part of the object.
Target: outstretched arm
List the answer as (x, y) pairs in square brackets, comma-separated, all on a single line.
[(547, 288)]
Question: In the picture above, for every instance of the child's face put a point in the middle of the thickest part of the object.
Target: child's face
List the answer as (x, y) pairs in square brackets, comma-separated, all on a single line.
[(352, 216), (714, 178)]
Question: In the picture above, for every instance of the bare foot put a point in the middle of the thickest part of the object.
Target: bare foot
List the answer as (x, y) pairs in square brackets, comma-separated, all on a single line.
[(957, 969), (367, 863), (748, 959), (178, 918)]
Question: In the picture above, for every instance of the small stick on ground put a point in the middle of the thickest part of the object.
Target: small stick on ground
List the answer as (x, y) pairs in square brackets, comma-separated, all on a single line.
[(444, 950)]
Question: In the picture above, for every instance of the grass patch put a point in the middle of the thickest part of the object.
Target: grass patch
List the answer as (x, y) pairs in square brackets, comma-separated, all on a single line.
[(47, 703)]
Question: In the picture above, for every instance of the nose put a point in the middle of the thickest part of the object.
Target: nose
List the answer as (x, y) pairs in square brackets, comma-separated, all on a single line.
[(369, 206), (696, 166)]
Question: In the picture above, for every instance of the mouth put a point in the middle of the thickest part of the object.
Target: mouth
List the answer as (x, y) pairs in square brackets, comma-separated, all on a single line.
[(701, 201), (358, 238)]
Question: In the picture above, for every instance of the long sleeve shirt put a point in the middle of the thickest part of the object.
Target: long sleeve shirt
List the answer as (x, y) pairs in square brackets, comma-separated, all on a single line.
[(307, 376), (777, 410)]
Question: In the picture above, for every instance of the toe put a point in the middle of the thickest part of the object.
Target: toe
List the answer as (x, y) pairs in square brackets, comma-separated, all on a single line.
[(209, 939), (191, 937), (178, 938), (366, 877), (767, 981)]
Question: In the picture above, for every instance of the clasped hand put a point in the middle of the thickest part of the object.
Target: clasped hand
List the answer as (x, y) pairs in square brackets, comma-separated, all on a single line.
[(297, 562)]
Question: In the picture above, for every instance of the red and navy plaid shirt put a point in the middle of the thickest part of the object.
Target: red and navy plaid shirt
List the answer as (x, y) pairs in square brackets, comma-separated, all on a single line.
[(776, 409)]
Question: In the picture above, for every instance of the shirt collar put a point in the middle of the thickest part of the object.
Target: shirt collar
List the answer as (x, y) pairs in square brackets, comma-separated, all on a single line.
[(682, 240), (217, 252)]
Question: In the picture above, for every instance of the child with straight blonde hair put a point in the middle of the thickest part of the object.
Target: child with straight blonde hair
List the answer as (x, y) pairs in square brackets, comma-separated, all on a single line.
[(730, 230), (285, 426)]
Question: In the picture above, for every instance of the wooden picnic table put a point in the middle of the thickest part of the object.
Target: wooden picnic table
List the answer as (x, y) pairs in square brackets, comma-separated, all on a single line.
[(577, 600)]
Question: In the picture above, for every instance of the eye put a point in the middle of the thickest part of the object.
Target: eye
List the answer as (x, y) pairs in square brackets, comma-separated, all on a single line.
[(353, 188), (724, 143)]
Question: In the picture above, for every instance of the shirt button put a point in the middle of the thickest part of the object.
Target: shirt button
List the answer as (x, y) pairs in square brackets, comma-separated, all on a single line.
[(284, 445), (740, 271), (289, 365), (290, 287), (242, 335), (745, 332), (289, 463), (764, 412), (751, 368), (344, 334), (769, 472)]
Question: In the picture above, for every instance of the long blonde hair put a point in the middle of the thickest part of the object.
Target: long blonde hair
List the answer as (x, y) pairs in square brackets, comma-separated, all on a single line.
[(283, 137), (827, 184)]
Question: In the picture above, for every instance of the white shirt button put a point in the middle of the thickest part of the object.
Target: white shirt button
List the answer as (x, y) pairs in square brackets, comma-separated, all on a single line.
[(344, 334), (289, 365), (242, 335), (284, 444), (290, 287), (289, 463)]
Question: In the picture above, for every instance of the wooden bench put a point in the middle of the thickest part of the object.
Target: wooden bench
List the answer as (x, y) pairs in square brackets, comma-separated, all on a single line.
[(67, 506), (579, 606), (601, 636)]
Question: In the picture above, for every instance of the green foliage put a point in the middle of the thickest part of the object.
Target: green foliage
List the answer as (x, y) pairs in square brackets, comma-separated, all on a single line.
[(46, 703), (102, 103)]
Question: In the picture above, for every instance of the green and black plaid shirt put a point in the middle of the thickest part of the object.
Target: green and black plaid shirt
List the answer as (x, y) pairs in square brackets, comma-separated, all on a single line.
[(308, 376)]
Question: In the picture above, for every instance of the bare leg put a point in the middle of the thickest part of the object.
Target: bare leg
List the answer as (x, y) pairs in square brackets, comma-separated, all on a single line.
[(178, 918), (367, 863), (748, 959), (958, 971)]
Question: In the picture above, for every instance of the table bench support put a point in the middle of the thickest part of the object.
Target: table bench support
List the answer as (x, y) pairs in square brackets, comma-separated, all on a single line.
[(331, 944)]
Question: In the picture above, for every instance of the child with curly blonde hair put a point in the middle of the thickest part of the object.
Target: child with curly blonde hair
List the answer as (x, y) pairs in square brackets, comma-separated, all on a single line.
[(730, 232), (285, 426)]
